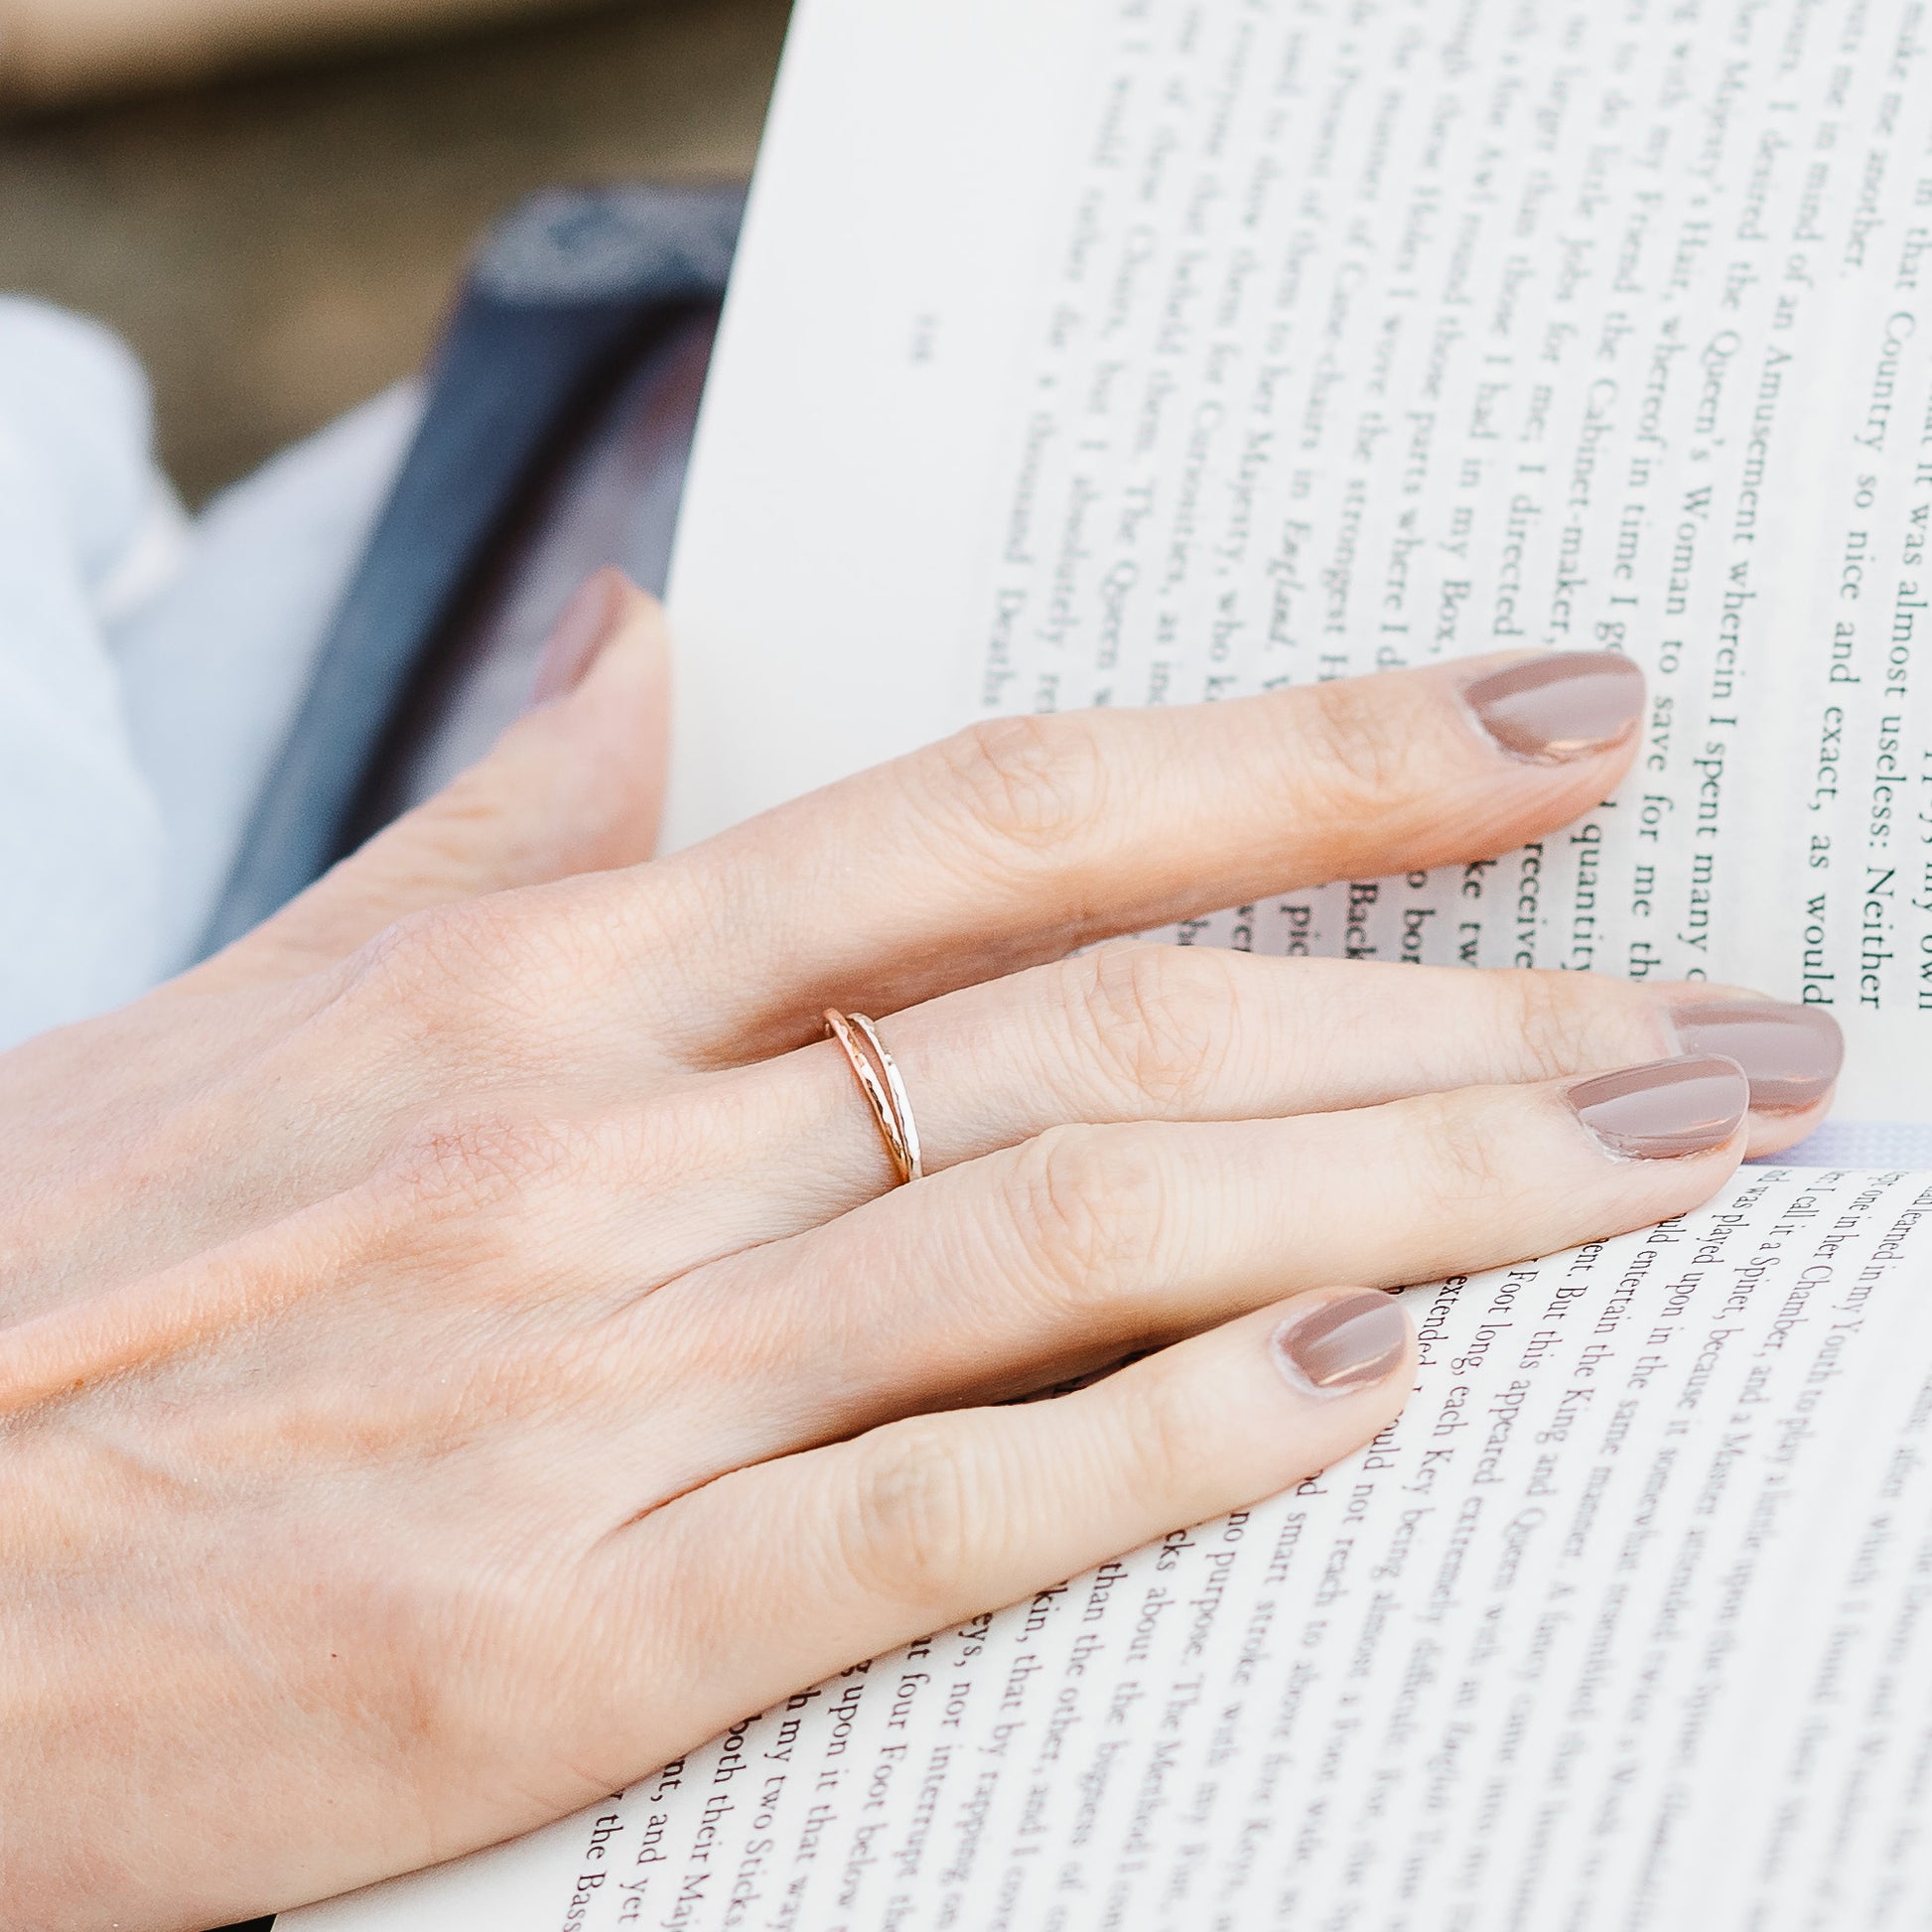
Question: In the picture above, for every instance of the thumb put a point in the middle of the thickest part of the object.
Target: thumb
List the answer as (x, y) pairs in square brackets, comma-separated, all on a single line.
[(576, 785)]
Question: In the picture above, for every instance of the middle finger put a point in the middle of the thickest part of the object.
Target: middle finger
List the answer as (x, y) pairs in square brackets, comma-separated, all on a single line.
[(1024, 838)]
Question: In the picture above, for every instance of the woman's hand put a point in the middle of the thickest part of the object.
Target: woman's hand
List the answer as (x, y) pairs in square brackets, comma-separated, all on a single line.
[(459, 1352)]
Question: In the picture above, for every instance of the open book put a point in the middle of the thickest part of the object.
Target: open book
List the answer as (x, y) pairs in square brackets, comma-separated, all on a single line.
[(1142, 350)]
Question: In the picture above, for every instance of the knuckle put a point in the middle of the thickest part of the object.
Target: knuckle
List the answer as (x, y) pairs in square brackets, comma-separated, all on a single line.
[(1456, 1148), (1086, 1202), (436, 969), (479, 982), (416, 1626), (1023, 785), (667, 909), (425, 951), (466, 1164), (1354, 744), (1548, 1017), (914, 1522), (1160, 1018), (1172, 1420)]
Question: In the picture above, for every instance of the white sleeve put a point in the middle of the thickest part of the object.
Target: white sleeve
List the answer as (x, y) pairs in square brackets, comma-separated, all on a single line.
[(149, 666), (216, 668), (81, 837)]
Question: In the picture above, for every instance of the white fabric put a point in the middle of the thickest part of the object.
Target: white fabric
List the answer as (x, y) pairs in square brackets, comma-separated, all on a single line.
[(215, 668), (148, 666)]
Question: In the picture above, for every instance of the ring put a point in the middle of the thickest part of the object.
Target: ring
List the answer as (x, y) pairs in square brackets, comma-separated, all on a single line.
[(878, 1080)]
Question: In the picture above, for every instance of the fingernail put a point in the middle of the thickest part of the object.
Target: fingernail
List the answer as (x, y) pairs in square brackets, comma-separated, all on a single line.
[(1666, 1109), (587, 623), (1565, 705), (1791, 1054), (1349, 1344)]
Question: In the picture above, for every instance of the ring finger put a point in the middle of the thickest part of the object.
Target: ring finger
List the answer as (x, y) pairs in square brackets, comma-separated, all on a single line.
[(1144, 1032)]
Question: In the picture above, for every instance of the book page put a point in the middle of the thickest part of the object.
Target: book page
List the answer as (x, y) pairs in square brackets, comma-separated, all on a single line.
[(1151, 350), (1196, 350), (1627, 1622)]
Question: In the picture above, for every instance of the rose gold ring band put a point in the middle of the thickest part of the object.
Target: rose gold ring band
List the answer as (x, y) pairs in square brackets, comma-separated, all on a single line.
[(879, 1080)]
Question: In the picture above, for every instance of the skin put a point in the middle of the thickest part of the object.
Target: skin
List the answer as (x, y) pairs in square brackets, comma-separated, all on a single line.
[(463, 1349)]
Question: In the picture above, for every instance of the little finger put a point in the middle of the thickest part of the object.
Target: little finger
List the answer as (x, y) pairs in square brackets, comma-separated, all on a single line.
[(842, 1554)]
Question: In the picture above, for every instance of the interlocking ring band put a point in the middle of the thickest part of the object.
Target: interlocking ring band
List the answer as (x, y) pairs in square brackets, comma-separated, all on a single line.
[(879, 1080)]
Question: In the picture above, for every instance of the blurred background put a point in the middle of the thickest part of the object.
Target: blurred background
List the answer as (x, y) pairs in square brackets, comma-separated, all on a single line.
[(276, 219)]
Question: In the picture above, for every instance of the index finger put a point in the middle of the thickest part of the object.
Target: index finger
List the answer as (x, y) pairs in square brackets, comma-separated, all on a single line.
[(1024, 838)]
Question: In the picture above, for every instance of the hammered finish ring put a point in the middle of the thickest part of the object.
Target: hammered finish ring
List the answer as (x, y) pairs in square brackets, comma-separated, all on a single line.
[(880, 1081)]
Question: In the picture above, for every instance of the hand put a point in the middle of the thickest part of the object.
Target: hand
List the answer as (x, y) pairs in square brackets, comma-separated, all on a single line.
[(462, 1347)]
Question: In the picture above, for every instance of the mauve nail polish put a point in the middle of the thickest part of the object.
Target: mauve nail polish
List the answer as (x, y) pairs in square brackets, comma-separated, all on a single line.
[(1565, 705), (1791, 1054), (584, 627), (1348, 1344), (1666, 1109)]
